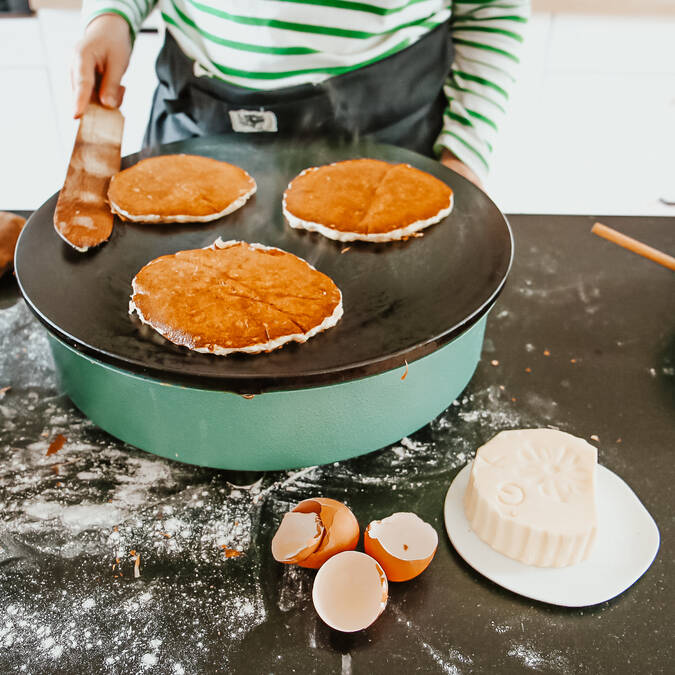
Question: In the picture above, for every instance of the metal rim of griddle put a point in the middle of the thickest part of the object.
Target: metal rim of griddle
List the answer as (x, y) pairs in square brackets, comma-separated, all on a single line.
[(402, 300)]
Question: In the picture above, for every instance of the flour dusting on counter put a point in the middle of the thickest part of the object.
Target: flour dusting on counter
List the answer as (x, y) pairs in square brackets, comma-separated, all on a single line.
[(530, 658), (154, 557), (85, 514), (23, 340)]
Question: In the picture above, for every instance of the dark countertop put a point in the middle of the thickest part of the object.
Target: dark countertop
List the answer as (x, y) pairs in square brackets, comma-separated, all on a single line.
[(584, 340)]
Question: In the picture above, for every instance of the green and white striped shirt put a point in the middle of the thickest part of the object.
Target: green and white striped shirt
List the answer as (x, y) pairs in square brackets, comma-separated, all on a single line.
[(269, 44)]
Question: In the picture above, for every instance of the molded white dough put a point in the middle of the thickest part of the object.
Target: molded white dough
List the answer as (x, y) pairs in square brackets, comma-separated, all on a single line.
[(531, 496)]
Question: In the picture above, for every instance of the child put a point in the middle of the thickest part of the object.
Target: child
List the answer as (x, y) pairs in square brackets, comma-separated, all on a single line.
[(429, 75)]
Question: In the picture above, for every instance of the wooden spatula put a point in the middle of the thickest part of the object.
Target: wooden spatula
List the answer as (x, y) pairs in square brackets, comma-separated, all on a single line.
[(83, 218)]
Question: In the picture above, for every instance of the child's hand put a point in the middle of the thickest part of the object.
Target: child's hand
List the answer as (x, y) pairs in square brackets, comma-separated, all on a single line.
[(101, 58)]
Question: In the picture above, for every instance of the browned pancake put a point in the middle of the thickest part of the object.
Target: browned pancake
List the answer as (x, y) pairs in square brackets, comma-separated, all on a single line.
[(366, 199), (179, 189), (10, 229), (234, 297)]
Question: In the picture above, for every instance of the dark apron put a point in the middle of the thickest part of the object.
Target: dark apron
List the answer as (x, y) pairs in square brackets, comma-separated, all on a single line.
[(397, 100)]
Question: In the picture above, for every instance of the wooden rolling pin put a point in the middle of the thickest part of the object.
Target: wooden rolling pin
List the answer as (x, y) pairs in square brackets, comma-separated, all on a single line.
[(634, 245)]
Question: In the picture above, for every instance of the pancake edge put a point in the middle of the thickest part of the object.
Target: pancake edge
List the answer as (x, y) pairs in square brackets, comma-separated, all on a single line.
[(260, 347), (154, 218), (377, 237)]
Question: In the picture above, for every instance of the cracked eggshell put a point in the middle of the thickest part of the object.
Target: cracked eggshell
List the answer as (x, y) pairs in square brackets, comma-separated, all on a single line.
[(298, 536), (402, 543), (341, 529), (350, 591)]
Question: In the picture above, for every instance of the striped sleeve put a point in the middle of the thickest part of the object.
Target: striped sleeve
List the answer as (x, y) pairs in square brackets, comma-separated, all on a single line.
[(487, 35), (134, 12)]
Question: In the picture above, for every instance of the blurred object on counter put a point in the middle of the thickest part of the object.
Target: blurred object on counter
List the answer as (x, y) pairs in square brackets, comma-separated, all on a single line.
[(10, 228)]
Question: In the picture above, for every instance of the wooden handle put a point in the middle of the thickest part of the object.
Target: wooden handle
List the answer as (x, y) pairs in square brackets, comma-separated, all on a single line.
[(634, 245)]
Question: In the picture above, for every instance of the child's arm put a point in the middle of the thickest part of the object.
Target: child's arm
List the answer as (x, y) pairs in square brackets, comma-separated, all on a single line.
[(487, 35), (102, 56)]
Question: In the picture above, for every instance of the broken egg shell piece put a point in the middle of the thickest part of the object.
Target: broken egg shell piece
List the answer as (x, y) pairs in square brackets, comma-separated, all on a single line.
[(402, 543), (350, 591), (341, 529), (298, 536)]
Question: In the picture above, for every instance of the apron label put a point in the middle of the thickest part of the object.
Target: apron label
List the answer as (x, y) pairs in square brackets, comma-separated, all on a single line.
[(253, 121)]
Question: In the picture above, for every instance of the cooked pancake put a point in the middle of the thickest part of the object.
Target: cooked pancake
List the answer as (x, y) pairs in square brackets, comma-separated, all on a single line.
[(234, 297), (179, 189), (10, 229), (366, 199)]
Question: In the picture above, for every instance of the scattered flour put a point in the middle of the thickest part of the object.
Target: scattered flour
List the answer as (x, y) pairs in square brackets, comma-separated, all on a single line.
[(447, 662), (77, 516), (87, 475), (535, 660), (23, 340), (296, 588), (87, 514), (449, 668), (346, 664), (148, 660)]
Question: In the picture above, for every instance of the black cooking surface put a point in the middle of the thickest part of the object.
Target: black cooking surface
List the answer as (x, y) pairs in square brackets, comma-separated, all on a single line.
[(401, 300)]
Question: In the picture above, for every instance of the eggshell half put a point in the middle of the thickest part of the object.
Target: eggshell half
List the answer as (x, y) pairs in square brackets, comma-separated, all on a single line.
[(341, 529), (402, 543), (298, 536), (350, 591)]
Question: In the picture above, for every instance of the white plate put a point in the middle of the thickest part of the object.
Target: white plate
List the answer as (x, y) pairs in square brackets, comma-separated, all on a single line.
[(626, 544)]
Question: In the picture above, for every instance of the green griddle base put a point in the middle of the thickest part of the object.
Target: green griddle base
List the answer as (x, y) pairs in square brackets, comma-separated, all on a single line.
[(275, 430)]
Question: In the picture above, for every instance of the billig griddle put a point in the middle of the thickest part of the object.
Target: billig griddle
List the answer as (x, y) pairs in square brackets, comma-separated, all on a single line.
[(401, 300)]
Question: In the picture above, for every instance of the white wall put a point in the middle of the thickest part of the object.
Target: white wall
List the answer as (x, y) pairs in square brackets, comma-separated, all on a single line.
[(591, 126)]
